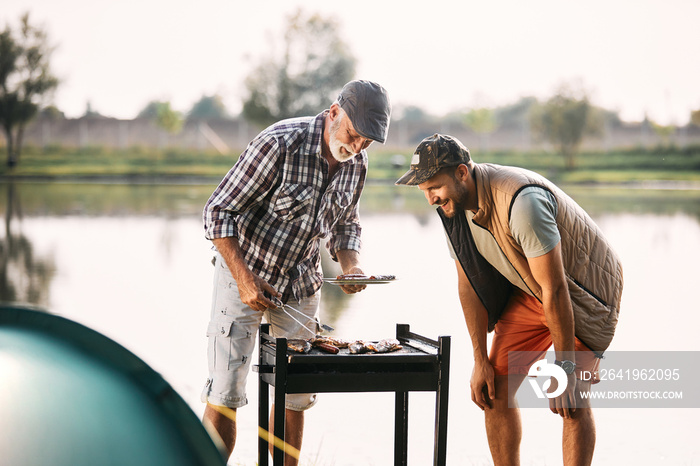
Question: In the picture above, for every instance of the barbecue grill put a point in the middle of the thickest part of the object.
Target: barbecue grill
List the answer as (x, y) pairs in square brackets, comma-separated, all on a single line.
[(422, 365)]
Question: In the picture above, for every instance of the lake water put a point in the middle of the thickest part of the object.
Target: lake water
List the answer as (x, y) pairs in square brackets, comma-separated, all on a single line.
[(130, 261)]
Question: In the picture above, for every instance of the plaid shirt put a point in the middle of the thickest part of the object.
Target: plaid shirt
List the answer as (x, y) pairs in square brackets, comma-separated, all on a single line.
[(278, 201)]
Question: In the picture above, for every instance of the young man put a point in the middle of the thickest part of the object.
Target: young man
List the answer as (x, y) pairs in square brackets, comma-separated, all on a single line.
[(532, 265), (298, 182)]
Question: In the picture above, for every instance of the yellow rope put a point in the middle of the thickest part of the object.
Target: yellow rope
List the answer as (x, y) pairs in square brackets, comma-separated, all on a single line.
[(264, 434), (228, 412), (278, 443)]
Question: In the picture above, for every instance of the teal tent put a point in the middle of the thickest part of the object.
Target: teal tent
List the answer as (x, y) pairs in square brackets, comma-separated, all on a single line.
[(71, 396)]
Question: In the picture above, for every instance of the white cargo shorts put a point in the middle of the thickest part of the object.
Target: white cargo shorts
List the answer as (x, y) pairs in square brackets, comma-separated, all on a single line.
[(232, 334)]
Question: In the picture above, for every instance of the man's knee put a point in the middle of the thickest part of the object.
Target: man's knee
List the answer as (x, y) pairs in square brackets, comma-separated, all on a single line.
[(583, 390), (506, 387)]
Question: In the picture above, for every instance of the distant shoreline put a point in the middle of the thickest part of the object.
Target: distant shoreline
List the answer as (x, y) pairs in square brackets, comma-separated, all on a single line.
[(114, 179), (662, 168), (184, 180)]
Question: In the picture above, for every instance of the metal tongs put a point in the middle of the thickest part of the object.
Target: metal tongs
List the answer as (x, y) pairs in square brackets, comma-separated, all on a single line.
[(284, 308)]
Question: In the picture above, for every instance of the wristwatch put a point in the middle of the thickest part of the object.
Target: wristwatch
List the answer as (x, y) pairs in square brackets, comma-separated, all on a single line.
[(568, 366)]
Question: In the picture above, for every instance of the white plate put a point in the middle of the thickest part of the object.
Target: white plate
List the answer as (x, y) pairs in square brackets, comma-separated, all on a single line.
[(357, 281)]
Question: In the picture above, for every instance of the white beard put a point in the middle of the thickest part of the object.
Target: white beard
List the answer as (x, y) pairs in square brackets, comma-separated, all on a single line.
[(335, 145)]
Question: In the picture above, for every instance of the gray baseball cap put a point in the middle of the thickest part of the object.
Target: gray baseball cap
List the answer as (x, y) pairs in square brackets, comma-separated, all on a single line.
[(368, 107), (433, 154)]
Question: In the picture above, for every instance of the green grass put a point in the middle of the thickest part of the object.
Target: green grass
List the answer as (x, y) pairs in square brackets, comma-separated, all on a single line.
[(613, 167), (133, 162)]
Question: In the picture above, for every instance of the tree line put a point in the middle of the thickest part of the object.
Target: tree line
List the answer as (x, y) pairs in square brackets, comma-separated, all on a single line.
[(311, 65)]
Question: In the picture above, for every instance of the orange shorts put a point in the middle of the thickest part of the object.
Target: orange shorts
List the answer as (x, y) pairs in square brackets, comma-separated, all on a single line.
[(523, 328)]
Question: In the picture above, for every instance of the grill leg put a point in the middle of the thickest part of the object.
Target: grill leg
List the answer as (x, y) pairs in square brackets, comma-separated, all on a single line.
[(401, 429), (263, 408), (441, 397), (280, 395)]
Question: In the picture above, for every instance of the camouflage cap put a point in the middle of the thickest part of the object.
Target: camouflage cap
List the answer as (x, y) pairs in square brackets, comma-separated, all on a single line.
[(433, 154), (368, 107)]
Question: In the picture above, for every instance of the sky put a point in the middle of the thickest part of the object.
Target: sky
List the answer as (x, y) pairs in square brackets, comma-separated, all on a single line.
[(637, 57)]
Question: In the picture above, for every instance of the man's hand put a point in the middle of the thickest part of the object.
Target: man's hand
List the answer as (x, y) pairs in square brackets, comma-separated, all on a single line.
[(565, 404), (349, 261), (350, 289), (482, 385), (256, 292)]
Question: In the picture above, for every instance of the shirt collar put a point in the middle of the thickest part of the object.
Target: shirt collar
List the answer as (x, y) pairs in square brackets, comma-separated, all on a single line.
[(314, 141)]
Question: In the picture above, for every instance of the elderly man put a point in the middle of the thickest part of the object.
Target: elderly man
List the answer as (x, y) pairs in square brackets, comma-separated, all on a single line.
[(298, 182), (532, 265)]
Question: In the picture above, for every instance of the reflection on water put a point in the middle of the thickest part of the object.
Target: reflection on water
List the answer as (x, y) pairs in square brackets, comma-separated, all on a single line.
[(132, 263), (25, 276)]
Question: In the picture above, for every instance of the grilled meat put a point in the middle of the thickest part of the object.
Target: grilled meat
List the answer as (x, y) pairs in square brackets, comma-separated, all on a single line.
[(299, 345), (327, 347), (358, 347), (337, 342), (360, 276), (385, 346)]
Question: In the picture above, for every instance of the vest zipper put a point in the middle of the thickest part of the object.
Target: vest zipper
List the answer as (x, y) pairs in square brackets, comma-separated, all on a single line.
[(588, 291)]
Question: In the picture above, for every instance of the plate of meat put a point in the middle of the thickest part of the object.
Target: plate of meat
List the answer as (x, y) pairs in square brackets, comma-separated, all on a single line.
[(359, 279)]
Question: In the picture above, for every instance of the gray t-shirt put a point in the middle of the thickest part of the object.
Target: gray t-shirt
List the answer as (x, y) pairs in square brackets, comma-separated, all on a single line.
[(533, 225)]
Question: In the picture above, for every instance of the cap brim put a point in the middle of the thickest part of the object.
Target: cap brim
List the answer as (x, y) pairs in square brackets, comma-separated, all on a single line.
[(374, 137), (415, 177)]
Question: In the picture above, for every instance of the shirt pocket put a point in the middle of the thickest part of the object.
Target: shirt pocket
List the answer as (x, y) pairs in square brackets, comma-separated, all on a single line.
[(293, 202), (334, 205)]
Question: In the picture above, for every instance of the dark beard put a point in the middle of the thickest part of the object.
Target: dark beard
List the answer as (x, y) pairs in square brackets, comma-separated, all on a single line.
[(459, 201)]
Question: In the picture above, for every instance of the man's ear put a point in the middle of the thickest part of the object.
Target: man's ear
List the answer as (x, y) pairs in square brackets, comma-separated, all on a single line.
[(462, 172), (334, 111)]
